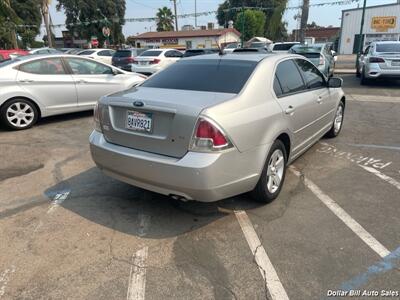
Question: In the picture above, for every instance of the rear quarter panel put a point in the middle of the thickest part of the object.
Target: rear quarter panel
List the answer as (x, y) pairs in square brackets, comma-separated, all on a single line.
[(254, 117)]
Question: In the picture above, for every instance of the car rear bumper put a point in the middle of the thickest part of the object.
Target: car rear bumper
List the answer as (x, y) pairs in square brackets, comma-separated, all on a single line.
[(198, 176), (374, 71), (146, 69)]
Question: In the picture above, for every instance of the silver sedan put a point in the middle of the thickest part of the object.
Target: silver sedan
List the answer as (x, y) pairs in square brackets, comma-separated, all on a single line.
[(214, 126), (39, 86)]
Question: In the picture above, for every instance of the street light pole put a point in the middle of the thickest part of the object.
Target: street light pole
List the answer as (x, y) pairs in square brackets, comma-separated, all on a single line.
[(361, 37), (176, 16), (195, 13)]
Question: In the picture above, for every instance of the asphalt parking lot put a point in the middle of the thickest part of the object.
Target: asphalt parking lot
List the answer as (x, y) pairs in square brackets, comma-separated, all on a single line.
[(70, 232)]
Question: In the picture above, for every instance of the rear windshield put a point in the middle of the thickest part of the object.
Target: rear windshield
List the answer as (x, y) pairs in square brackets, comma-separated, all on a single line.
[(223, 75), (151, 53), (395, 47), (310, 55), (282, 47), (123, 53)]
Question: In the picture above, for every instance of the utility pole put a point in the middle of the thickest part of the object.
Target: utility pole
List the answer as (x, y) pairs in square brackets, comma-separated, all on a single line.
[(45, 13), (176, 16), (304, 18), (195, 14), (361, 37)]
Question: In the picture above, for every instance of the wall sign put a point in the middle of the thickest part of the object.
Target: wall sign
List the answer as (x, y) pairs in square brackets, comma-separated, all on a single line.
[(382, 24)]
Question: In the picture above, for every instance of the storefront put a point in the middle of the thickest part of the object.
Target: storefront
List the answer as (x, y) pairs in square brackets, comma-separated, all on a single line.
[(381, 24), (190, 39)]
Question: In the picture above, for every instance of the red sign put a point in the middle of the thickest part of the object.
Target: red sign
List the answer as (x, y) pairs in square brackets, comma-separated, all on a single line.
[(95, 43)]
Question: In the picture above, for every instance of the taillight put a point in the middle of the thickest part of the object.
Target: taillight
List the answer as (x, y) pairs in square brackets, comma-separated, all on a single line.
[(376, 60), (134, 61), (321, 60), (155, 61), (130, 59), (96, 118), (209, 137)]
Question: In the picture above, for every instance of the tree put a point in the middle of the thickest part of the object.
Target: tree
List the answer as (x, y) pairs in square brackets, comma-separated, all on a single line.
[(273, 11), (165, 19), (254, 23), (44, 8), (304, 18), (85, 19)]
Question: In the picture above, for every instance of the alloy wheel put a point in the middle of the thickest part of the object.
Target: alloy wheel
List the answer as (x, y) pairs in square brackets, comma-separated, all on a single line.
[(338, 119), (276, 166), (20, 114)]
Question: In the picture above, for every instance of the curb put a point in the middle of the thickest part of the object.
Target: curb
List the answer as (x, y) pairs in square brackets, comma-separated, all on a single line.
[(345, 71)]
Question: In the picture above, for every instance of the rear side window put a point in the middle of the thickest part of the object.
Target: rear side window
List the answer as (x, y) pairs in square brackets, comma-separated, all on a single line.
[(208, 75), (87, 52), (289, 77), (151, 53), (314, 78), (277, 87), (48, 66)]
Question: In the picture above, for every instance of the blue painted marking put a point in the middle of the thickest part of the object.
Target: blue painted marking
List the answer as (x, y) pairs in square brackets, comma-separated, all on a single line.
[(388, 263)]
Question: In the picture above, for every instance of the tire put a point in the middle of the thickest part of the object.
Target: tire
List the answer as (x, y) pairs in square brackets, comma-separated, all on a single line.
[(358, 74), (364, 81), (19, 114), (266, 191), (336, 126)]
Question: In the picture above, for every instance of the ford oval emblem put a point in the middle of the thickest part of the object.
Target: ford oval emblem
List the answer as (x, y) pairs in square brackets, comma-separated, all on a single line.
[(138, 103)]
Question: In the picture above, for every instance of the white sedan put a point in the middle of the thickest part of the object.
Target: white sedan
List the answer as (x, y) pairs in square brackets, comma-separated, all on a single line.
[(101, 55), (154, 60), (45, 85)]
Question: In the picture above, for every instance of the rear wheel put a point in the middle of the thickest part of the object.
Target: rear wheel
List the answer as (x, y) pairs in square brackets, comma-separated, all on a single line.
[(273, 175), (364, 81), (19, 114)]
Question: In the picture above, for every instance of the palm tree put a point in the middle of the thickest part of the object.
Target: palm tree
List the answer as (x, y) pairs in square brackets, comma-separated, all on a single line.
[(165, 19)]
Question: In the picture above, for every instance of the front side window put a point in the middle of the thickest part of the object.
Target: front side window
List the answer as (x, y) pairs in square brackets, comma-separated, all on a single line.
[(223, 75), (87, 67), (313, 77), (289, 77), (87, 52), (48, 66)]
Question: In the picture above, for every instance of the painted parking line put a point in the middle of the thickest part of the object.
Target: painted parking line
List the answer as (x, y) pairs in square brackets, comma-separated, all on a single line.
[(382, 176), (364, 235), (57, 200), (265, 266), (137, 276)]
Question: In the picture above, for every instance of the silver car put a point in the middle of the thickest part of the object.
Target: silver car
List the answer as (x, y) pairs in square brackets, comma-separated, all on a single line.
[(39, 86), (213, 126), (380, 60)]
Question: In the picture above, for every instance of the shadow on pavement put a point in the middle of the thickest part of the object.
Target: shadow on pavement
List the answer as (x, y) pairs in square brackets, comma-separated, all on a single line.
[(135, 211)]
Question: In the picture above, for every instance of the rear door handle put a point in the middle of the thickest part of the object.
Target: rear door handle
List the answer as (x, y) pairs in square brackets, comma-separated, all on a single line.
[(26, 80), (319, 100), (289, 110)]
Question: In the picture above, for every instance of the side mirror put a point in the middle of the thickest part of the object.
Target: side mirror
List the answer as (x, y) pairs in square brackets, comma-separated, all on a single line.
[(335, 82), (115, 72)]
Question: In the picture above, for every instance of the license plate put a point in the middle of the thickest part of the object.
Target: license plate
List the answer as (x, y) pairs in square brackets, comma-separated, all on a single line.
[(143, 63), (139, 121), (396, 63)]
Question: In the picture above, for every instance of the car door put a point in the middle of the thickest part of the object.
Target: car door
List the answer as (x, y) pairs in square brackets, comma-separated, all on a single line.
[(297, 103), (49, 83), (93, 80), (324, 103)]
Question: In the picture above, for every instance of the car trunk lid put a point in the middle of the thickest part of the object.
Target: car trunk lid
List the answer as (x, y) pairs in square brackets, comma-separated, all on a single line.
[(392, 60), (173, 115)]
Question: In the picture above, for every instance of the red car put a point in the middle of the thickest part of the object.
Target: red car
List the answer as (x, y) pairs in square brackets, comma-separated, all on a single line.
[(12, 53)]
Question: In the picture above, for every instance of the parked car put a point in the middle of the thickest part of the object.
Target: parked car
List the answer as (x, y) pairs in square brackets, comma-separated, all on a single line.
[(39, 86), (251, 50), (73, 51), (124, 58), (11, 54), (380, 60), (44, 50), (154, 60), (210, 127), (282, 47), (101, 55), (194, 52), (319, 54), (231, 47)]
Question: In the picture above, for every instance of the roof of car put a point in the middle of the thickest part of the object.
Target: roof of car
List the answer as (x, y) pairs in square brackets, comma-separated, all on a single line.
[(252, 56), (385, 42)]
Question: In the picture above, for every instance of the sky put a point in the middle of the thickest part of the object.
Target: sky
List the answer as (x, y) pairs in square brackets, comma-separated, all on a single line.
[(323, 16)]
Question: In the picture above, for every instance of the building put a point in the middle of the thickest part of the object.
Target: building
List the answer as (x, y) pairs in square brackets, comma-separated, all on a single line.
[(381, 24), (190, 39), (318, 34)]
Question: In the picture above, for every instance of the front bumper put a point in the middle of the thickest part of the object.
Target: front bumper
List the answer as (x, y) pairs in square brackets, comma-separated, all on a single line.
[(198, 176)]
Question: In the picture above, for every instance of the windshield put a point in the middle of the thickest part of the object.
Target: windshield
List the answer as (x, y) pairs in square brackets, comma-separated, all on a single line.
[(395, 47), (231, 46), (282, 47), (123, 53), (223, 76), (151, 53), (257, 45)]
